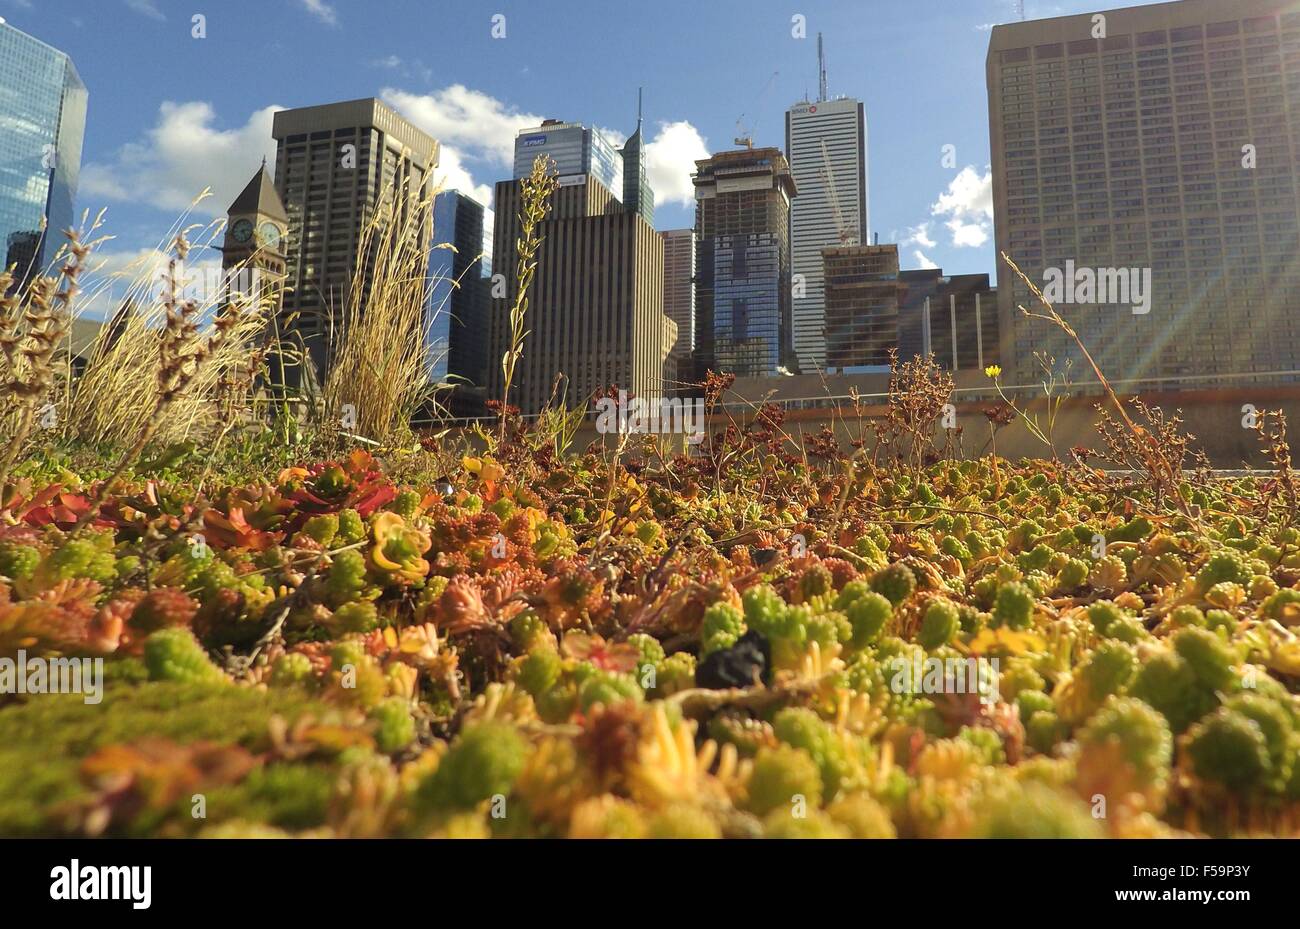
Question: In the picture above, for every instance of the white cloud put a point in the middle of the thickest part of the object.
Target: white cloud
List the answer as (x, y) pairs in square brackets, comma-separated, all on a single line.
[(181, 155), (918, 235), (968, 206), (475, 124), (969, 194), (146, 8), (470, 126), (923, 261), (670, 162), (451, 174), (967, 235), (321, 10)]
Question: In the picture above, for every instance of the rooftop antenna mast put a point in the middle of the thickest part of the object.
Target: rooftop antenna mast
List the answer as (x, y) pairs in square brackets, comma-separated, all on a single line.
[(821, 70), (1020, 9), (638, 109)]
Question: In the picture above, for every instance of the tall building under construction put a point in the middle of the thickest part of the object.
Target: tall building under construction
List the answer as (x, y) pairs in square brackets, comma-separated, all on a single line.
[(742, 262)]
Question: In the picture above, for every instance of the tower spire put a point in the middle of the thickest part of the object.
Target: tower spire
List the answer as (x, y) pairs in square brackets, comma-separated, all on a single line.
[(638, 109), (821, 71)]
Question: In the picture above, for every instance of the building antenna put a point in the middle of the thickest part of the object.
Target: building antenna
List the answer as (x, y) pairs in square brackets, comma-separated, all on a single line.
[(638, 109), (744, 131), (821, 70), (1020, 9)]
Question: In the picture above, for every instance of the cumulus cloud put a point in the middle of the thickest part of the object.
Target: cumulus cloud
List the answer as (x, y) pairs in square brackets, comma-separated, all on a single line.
[(471, 127), (917, 235), (475, 124), (923, 261), (321, 10), (670, 162), (452, 174), (967, 235), (475, 127), (967, 205), (182, 154)]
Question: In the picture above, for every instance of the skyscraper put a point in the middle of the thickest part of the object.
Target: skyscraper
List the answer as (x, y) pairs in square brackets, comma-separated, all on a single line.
[(826, 144), (742, 262), (42, 123), (335, 165), (457, 334), (575, 149), (595, 312), (637, 195), (679, 289), (1157, 142)]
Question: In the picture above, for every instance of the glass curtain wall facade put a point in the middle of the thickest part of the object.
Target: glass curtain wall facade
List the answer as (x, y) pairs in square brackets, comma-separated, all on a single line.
[(42, 123)]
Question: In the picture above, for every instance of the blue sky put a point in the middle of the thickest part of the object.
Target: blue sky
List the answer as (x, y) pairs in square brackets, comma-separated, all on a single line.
[(170, 113)]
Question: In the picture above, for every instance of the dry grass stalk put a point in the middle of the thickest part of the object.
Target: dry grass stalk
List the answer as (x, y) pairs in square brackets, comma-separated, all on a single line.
[(918, 392), (379, 369), (31, 327), (1164, 474), (182, 354), (535, 203), (120, 389)]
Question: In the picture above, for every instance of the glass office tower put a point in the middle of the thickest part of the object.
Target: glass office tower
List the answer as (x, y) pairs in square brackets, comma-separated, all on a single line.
[(42, 122), (575, 149)]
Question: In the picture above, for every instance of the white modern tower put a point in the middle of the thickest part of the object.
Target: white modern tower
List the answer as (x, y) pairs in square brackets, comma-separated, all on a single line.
[(826, 145)]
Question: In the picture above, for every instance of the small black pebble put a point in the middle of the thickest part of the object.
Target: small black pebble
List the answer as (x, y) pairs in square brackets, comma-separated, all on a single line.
[(743, 665)]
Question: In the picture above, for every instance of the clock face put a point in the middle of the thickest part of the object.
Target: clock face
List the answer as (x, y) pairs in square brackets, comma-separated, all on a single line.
[(241, 231), (269, 235)]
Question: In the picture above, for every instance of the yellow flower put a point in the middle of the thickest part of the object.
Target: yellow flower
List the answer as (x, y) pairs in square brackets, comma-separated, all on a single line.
[(993, 371)]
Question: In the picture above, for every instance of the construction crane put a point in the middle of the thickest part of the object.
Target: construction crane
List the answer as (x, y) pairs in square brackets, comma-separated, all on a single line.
[(848, 230), (745, 134)]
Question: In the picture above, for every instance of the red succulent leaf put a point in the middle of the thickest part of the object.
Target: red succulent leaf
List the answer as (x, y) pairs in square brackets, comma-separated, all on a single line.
[(234, 531)]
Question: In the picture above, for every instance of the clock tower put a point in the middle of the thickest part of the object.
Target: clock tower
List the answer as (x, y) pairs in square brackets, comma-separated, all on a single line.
[(253, 255)]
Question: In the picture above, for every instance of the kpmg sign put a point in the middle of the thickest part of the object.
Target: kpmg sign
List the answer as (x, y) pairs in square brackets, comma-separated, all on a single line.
[(531, 141)]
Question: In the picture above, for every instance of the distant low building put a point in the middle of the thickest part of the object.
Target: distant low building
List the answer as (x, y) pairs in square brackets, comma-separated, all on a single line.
[(872, 307)]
